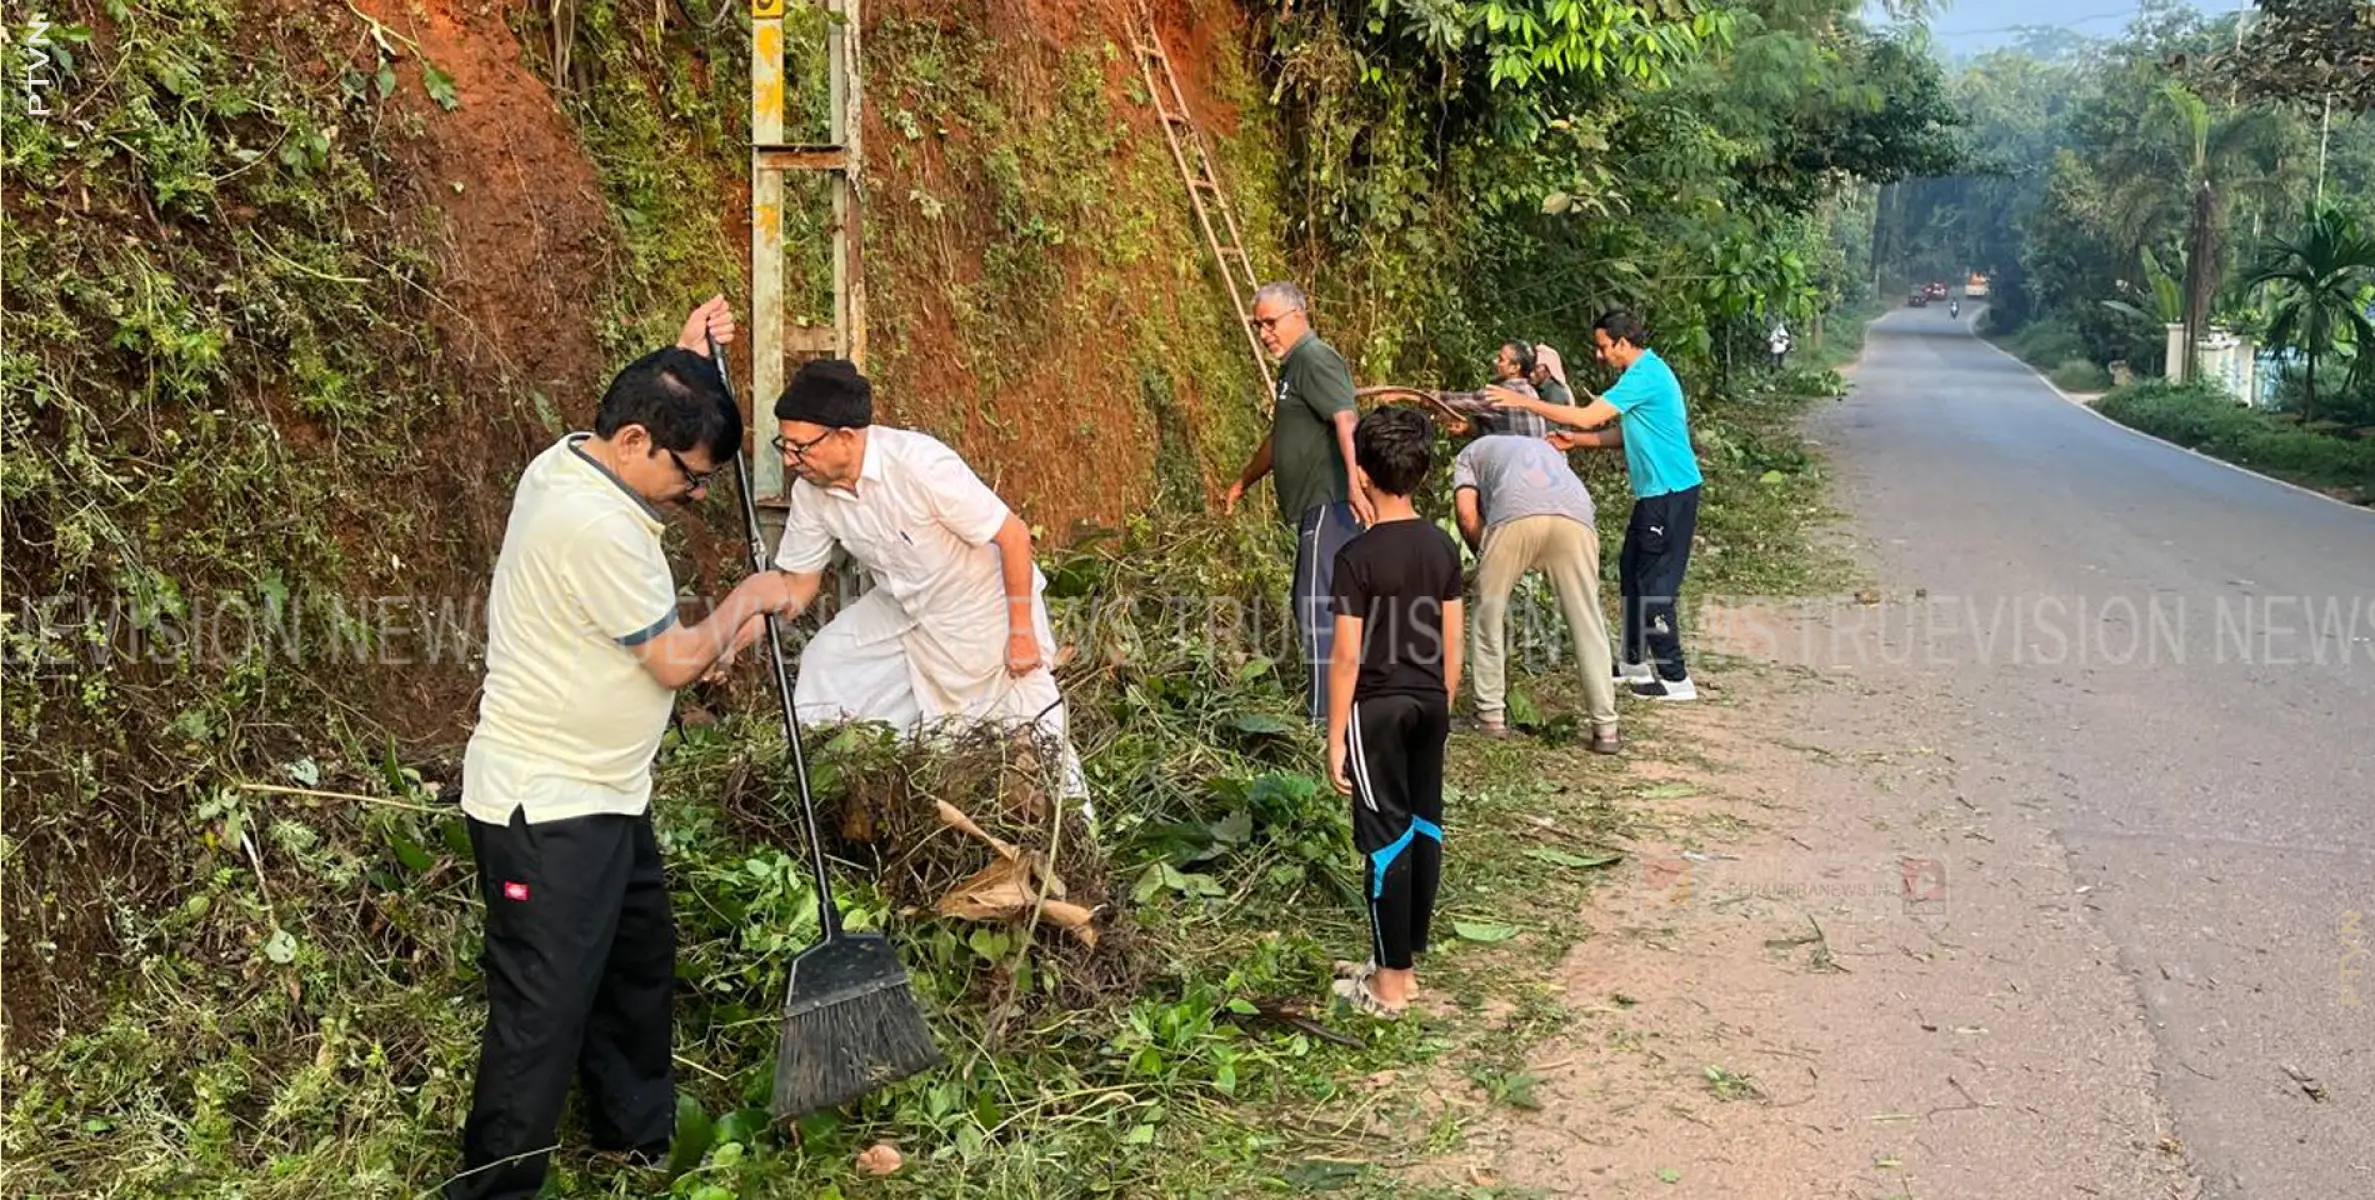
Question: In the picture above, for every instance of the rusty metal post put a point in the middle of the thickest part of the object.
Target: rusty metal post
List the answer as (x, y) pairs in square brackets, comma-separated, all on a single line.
[(766, 239), (773, 345)]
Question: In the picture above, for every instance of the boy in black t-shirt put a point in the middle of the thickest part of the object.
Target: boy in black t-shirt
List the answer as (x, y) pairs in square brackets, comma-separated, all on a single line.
[(1397, 598)]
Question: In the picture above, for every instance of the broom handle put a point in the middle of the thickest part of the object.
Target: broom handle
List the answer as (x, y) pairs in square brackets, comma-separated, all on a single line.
[(827, 914)]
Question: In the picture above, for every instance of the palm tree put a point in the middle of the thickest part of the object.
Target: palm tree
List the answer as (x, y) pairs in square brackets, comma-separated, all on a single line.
[(2320, 281), (2186, 165)]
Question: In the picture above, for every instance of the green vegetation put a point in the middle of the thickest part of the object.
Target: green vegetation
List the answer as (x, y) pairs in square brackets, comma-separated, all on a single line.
[(2079, 375), (1481, 193), (2317, 303), (244, 368), (2120, 185), (2049, 343), (2184, 173), (2211, 422), (324, 981)]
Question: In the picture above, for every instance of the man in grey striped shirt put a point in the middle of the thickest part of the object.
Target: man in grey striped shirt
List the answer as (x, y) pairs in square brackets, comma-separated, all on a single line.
[(1514, 370)]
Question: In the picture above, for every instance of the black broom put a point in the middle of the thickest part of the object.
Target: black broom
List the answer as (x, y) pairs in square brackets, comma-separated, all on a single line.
[(850, 1021)]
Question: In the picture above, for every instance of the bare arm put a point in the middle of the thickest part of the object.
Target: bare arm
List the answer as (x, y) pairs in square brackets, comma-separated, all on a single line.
[(682, 653), (1013, 541), (1587, 416), (1597, 439), (1344, 672), (1471, 518), (1455, 633), (794, 592), (1254, 470), (1345, 423)]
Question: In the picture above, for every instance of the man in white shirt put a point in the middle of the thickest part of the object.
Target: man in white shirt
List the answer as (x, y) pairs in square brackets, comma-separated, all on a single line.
[(584, 656), (956, 628)]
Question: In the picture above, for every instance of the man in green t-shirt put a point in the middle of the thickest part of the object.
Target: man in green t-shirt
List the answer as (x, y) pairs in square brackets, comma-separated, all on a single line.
[(1308, 454)]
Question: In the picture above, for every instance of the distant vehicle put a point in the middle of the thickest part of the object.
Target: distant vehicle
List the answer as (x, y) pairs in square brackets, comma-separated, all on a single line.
[(1920, 298), (1937, 290), (1976, 286)]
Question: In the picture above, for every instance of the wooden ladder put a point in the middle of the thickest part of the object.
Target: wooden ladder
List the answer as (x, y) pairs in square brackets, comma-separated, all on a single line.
[(1196, 172)]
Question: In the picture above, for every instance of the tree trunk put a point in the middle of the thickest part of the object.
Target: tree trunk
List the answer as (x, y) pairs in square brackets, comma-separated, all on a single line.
[(2309, 389), (2201, 273)]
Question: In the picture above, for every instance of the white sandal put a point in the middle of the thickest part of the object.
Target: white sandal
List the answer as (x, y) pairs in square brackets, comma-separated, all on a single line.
[(1356, 992)]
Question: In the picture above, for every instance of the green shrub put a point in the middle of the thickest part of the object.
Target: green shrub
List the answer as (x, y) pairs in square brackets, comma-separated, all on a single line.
[(2208, 420), (2047, 343), (2340, 397), (2080, 375)]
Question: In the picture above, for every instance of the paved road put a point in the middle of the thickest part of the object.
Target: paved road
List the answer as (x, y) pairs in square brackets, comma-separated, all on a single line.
[(2181, 658)]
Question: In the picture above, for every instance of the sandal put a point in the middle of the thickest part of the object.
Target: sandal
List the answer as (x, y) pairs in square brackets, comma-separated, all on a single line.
[(1346, 968), (1356, 992)]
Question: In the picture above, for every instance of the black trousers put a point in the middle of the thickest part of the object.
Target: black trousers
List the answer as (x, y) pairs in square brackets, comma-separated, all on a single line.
[(1649, 571), (1394, 754), (581, 969)]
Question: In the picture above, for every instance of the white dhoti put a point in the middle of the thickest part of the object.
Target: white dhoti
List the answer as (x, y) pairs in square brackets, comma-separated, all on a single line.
[(927, 645), (873, 662)]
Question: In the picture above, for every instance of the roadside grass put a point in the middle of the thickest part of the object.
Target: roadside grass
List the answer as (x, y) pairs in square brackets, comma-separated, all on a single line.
[(307, 1025), (2204, 419)]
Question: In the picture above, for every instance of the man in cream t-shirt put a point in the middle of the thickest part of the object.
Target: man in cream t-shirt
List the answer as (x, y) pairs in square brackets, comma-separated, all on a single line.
[(584, 656), (956, 628)]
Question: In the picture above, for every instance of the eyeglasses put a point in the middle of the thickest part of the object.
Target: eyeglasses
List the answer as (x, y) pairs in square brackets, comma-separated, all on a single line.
[(693, 479), (800, 450), (1266, 324)]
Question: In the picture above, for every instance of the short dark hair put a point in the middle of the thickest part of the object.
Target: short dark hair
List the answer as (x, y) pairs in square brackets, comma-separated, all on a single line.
[(1396, 446), (830, 392), (679, 400), (1622, 326), (1523, 352)]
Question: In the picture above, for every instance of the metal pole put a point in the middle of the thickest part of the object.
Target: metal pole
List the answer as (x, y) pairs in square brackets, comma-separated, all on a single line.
[(2325, 128), (766, 231)]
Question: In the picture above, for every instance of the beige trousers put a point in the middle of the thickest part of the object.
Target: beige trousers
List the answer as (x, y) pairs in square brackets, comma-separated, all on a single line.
[(1569, 552)]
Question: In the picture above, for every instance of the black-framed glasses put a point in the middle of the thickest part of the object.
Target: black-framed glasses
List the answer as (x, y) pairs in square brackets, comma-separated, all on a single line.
[(1266, 324), (799, 450), (693, 479)]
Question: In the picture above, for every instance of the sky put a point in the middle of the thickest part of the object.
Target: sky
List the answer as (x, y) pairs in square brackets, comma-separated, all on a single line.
[(1972, 26)]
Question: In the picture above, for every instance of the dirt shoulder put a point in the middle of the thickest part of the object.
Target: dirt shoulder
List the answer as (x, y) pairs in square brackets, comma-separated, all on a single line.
[(1849, 962)]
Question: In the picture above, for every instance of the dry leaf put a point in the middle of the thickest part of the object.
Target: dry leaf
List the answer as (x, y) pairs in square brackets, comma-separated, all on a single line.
[(1001, 892)]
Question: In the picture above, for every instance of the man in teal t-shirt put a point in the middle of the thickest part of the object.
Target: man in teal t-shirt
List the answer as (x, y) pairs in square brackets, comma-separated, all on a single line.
[(1652, 424)]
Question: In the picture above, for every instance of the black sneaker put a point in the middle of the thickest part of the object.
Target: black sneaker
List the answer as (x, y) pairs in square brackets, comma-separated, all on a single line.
[(1667, 689)]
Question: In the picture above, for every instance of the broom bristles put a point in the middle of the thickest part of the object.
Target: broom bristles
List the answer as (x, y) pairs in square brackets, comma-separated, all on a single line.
[(839, 1050)]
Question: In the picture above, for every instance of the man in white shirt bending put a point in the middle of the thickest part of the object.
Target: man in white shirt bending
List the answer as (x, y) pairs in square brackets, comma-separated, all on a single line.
[(956, 627)]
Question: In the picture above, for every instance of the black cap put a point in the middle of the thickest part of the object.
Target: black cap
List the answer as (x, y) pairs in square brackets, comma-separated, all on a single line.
[(828, 392)]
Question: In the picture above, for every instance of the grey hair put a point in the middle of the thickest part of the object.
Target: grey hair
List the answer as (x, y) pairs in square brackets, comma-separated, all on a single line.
[(1284, 292)]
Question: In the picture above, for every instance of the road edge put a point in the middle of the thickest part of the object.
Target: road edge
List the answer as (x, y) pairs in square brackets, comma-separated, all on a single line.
[(2089, 410)]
